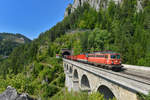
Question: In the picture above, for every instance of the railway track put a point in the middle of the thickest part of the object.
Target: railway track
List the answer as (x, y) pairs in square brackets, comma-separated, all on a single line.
[(140, 75), (132, 75), (127, 75)]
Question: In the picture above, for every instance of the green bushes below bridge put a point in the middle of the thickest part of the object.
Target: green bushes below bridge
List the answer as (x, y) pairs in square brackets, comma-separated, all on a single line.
[(65, 95), (144, 97)]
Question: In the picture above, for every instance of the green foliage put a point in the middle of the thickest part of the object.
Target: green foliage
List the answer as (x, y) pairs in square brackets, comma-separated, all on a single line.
[(98, 39), (144, 97), (88, 19), (144, 61), (37, 69), (48, 91), (9, 41), (1, 58), (65, 95), (20, 82), (42, 79)]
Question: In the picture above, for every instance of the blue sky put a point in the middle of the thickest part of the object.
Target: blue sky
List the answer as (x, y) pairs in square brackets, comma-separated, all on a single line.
[(31, 17)]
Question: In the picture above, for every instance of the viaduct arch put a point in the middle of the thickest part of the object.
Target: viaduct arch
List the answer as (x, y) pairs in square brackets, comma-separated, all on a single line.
[(85, 82), (70, 70), (108, 94), (75, 75)]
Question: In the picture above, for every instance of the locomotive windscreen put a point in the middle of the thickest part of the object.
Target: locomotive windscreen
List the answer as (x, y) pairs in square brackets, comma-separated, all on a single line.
[(115, 56)]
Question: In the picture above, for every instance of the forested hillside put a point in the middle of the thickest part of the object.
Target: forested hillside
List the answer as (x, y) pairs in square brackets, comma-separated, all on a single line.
[(33, 68), (9, 41)]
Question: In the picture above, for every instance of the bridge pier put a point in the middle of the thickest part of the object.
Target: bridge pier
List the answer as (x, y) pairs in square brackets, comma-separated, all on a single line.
[(68, 81), (75, 86)]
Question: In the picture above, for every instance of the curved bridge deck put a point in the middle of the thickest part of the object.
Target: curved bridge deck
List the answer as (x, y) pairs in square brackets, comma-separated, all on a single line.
[(133, 80)]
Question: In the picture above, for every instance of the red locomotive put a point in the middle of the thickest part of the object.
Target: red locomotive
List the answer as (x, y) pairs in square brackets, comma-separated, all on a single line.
[(108, 60), (82, 58)]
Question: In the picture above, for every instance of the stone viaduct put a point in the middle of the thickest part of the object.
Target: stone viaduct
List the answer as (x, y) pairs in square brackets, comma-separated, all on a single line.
[(85, 77)]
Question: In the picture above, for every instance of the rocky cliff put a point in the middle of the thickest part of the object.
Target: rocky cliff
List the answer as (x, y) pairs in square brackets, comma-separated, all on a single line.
[(95, 4), (11, 94)]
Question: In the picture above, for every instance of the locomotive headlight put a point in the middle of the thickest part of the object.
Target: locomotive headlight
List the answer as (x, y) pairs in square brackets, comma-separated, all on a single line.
[(112, 62)]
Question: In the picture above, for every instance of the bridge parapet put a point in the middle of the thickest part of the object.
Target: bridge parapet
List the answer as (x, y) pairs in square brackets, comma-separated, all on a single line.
[(134, 67)]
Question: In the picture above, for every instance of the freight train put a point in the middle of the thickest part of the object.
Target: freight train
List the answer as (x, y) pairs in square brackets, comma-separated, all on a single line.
[(107, 60)]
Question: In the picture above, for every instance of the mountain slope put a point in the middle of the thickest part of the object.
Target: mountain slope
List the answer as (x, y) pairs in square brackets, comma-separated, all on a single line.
[(118, 28), (9, 41)]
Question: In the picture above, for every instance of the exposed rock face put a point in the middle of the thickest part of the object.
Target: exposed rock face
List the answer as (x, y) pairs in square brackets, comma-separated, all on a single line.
[(11, 94), (68, 10), (139, 5), (95, 4)]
